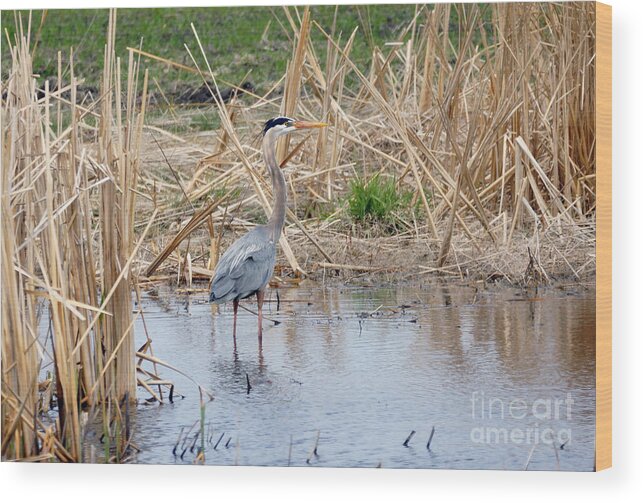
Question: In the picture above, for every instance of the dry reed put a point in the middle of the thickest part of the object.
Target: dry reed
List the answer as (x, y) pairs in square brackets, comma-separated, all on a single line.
[(69, 198), (492, 131)]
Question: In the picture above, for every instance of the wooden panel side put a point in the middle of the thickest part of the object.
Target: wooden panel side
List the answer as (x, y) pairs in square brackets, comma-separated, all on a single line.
[(604, 236)]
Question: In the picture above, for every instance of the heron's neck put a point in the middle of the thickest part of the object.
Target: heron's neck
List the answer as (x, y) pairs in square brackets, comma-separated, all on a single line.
[(276, 222)]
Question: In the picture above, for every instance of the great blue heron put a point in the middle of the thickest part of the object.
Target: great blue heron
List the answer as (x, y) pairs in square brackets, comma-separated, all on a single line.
[(246, 267)]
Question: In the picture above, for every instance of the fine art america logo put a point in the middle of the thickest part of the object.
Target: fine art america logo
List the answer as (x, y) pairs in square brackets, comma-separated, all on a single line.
[(533, 420)]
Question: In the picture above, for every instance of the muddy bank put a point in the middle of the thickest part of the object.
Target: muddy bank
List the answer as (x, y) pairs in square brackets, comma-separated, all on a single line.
[(544, 259)]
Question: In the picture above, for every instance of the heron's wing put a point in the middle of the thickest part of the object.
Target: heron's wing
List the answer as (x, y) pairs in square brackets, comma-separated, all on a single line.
[(245, 267)]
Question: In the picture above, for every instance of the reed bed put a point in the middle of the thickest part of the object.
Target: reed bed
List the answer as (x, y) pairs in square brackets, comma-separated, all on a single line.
[(491, 133), (69, 199)]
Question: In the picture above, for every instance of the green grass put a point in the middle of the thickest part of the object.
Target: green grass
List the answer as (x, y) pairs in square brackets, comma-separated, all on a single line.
[(232, 38), (376, 200)]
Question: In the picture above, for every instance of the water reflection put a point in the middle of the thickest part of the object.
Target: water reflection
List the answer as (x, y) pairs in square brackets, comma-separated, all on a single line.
[(363, 367)]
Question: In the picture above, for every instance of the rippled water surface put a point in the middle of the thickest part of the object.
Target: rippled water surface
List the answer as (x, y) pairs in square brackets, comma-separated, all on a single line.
[(502, 377)]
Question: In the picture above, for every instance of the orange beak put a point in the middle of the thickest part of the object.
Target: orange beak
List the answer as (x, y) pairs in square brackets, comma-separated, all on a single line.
[(309, 125)]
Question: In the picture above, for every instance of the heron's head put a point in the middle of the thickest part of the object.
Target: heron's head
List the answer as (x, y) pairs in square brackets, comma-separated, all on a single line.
[(283, 125)]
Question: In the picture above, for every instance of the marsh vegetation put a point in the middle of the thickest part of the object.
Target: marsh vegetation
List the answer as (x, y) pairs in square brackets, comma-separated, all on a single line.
[(463, 133)]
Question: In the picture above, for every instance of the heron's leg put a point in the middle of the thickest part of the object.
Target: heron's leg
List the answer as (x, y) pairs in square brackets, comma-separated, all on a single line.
[(260, 294), (235, 308)]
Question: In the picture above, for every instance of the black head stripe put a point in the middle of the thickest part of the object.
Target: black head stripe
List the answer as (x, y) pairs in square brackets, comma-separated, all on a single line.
[(277, 121)]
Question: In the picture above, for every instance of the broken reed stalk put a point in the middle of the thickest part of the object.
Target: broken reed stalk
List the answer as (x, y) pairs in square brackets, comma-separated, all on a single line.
[(197, 220), (428, 443), (294, 72), (313, 452), (408, 439), (68, 207)]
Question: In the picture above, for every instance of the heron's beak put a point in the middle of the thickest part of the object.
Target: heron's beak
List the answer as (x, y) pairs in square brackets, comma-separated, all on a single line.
[(309, 125)]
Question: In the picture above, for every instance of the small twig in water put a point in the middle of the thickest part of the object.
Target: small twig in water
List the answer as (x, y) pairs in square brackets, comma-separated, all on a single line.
[(219, 441), (187, 434), (177, 441), (248, 387), (408, 439), (289, 451), (276, 322), (529, 457), (314, 451), (428, 444), (196, 436), (553, 446)]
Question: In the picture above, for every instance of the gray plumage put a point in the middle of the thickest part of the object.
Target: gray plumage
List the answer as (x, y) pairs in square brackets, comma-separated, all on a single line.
[(245, 268)]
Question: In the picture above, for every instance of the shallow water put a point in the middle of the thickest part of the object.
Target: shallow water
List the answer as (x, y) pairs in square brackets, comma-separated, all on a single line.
[(503, 378)]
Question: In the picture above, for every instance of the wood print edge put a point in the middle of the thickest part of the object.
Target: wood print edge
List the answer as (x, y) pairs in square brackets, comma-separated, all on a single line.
[(603, 119)]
